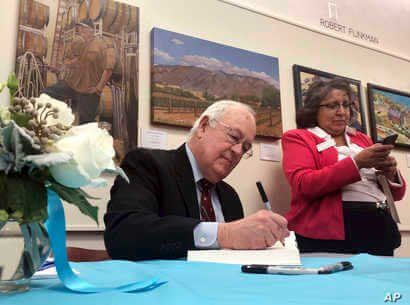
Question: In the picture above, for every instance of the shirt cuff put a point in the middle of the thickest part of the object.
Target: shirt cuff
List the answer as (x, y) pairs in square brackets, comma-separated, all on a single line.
[(206, 235)]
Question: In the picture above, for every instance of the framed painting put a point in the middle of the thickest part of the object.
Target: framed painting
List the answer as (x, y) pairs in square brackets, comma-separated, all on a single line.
[(84, 53), (188, 74), (389, 114), (303, 77)]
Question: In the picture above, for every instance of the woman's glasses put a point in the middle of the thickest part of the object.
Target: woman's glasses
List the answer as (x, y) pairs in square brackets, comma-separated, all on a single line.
[(337, 106)]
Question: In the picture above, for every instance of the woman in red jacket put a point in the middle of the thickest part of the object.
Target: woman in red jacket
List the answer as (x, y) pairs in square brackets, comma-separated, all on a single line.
[(337, 205)]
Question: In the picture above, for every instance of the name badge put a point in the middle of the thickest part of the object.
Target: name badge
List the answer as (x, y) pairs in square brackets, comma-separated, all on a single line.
[(325, 145)]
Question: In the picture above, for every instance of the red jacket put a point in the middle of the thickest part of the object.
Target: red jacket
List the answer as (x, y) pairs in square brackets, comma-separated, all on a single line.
[(316, 179)]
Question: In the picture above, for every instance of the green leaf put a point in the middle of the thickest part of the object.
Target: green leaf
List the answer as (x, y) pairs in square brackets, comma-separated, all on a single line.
[(76, 197), (16, 144), (86, 195), (4, 216), (21, 119), (26, 199), (12, 83), (40, 175)]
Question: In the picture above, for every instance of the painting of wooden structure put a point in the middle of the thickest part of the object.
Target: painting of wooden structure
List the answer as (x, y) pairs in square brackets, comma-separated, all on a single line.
[(50, 43)]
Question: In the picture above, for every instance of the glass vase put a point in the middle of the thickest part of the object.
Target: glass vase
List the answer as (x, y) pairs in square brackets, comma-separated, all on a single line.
[(23, 249)]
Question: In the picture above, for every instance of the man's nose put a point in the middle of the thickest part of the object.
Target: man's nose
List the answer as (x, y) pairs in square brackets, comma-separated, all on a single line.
[(237, 148)]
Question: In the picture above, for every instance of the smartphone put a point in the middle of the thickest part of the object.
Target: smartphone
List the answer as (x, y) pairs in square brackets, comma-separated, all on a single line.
[(390, 140)]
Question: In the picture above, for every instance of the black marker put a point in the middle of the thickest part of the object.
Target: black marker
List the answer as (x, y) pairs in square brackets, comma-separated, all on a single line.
[(263, 196), (272, 269), (265, 201)]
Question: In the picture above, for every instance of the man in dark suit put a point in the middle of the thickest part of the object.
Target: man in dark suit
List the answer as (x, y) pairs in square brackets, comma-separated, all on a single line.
[(176, 200)]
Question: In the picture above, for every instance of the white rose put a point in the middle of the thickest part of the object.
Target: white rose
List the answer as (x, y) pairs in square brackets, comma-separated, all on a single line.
[(92, 152), (65, 114)]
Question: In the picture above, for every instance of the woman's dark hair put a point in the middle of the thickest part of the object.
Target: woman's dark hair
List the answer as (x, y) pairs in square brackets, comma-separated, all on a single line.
[(306, 116)]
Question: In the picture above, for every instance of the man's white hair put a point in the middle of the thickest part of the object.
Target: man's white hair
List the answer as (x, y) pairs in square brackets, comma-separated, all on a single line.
[(216, 111)]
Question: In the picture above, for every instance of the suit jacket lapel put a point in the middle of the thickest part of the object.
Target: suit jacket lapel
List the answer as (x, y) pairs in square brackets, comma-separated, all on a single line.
[(186, 182), (230, 209)]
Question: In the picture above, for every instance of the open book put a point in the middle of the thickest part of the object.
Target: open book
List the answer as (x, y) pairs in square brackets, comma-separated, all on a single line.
[(278, 254)]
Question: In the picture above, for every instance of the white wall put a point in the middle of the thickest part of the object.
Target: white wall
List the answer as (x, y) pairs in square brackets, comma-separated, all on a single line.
[(388, 22), (220, 22)]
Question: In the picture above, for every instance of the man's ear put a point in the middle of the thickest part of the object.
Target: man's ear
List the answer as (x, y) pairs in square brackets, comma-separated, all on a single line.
[(203, 123)]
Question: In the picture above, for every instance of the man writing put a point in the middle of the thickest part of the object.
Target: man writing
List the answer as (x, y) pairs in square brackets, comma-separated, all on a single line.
[(176, 200)]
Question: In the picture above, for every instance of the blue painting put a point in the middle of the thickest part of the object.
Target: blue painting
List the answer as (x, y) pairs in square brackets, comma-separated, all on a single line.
[(188, 74)]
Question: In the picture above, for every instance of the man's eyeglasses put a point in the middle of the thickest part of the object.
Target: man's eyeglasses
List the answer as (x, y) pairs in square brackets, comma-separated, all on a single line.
[(234, 137), (336, 106)]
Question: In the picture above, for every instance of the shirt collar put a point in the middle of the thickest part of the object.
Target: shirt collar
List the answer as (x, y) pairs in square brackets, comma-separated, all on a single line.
[(324, 135), (194, 165)]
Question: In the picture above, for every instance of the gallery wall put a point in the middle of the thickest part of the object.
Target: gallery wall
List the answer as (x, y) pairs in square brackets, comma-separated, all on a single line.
[(219, 22), (345, 19), (223, 23)]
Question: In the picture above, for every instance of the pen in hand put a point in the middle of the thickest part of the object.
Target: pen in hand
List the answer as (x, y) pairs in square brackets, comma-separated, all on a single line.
[(265, 201), (263, 196)]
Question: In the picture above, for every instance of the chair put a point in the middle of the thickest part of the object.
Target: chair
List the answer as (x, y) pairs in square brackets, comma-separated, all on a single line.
[(76, 254)]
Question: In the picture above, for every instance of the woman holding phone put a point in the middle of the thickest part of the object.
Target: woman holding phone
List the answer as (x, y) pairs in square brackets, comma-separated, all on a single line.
[(337, 204)]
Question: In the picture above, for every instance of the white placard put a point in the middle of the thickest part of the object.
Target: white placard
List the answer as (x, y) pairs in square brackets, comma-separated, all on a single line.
[(270, 152), (154, 139)]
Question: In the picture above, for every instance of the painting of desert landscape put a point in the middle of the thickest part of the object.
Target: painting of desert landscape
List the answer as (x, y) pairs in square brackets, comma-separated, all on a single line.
[(304, 77), (390, 113), (84, 53), (188, 74)]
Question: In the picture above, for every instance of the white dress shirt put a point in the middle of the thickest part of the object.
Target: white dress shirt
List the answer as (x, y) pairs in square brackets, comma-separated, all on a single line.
[(365, 190), (205, 233)]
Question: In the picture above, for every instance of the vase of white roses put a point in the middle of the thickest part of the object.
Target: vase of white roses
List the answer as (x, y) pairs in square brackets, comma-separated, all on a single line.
[(40, 150)]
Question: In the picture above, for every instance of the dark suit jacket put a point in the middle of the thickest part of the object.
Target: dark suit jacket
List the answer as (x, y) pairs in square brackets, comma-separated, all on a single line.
[(154, 215)]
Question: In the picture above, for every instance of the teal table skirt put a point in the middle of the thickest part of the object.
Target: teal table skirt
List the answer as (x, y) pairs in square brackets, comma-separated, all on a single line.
[(371, 280)]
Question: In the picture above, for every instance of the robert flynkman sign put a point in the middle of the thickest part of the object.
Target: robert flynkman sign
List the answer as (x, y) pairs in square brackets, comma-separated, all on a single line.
[(341, 28), (333, 25)]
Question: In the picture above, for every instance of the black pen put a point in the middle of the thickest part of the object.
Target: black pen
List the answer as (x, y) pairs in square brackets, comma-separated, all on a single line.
[(272, 269), (265, 200), (263, 196)]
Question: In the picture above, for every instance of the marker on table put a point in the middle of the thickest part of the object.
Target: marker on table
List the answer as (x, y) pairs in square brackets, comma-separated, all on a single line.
[(265, 200), (272, 269)]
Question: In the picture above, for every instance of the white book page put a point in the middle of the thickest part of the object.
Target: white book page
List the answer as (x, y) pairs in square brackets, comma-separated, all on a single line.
[(278, 254)]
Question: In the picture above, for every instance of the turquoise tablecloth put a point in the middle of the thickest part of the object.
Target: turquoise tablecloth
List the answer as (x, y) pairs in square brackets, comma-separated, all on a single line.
[(206, 283)]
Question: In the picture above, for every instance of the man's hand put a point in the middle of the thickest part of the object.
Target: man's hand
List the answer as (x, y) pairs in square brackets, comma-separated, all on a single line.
[(92, 90), (257, 231)]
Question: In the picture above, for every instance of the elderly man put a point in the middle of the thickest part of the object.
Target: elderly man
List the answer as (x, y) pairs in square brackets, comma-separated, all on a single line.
[(176, 200)]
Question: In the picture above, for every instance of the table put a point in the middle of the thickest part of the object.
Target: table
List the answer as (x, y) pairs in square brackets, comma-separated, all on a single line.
[(207, 283)]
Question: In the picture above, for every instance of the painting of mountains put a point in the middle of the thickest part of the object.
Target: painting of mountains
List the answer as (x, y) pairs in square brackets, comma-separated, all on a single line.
[(188, 74), (390, 113)]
